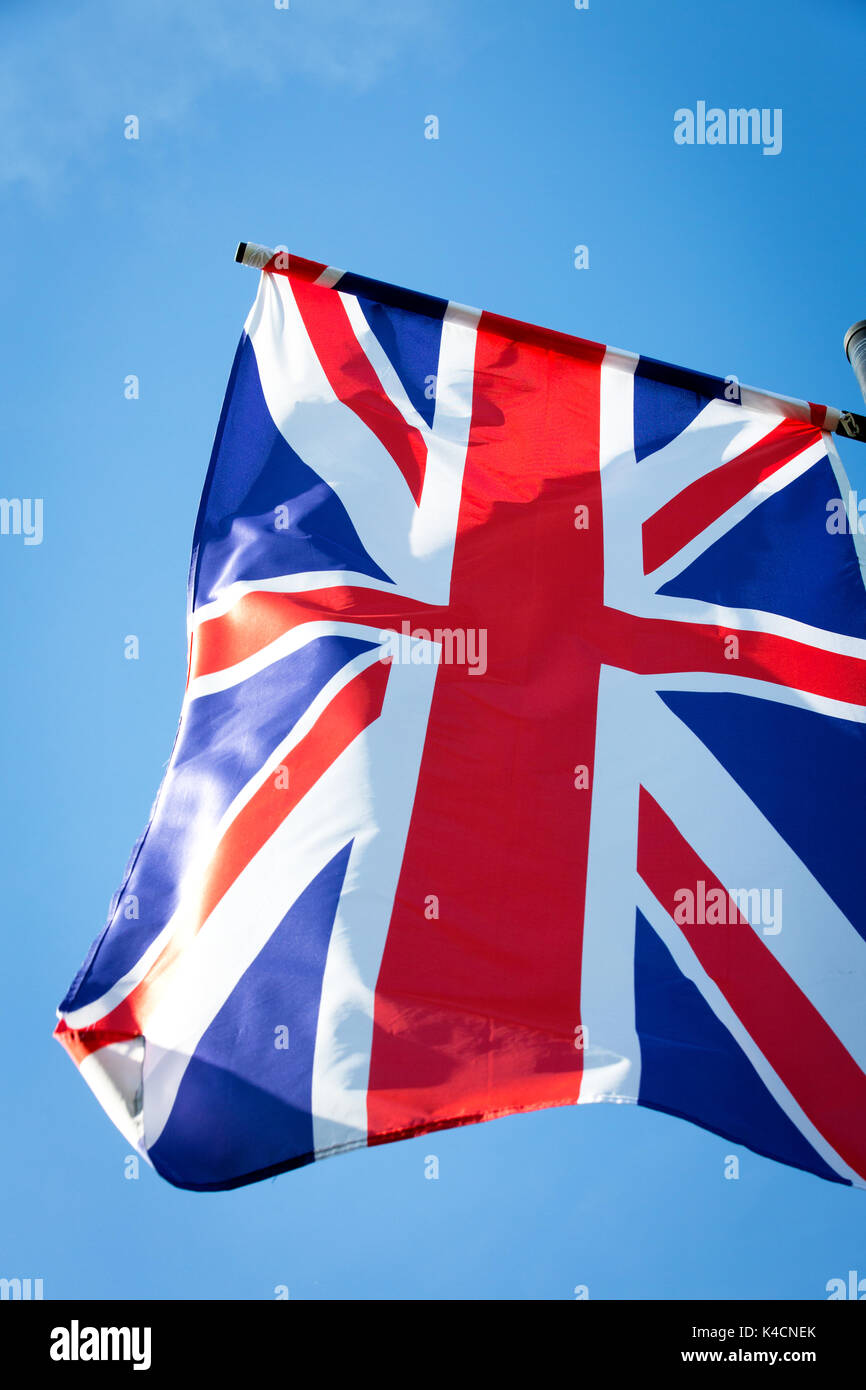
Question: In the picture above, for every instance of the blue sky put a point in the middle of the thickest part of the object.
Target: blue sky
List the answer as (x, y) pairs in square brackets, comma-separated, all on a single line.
[(306, 127)]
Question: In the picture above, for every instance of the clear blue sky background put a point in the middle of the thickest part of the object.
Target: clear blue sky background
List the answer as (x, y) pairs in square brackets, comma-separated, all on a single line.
[(306, 127)]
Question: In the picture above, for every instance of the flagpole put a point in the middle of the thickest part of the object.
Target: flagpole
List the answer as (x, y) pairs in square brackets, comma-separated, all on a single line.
[(846, 423), (250, 253), (855, 351)]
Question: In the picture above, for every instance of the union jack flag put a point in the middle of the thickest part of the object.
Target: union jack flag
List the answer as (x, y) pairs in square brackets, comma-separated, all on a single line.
[(520, 762)]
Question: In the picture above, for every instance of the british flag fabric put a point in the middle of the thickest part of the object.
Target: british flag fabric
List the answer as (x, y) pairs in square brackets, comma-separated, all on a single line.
[(521, 760)]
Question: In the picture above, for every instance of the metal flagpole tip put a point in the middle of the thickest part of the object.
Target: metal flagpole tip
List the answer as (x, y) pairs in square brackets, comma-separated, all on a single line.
[(855, 351), (250, 253), (858, 327)]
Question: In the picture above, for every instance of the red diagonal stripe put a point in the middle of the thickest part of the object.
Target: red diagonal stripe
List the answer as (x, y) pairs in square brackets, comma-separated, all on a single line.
[(796, 1040), (709, 497), (354, 381), (356, 706), (80, 1042)]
